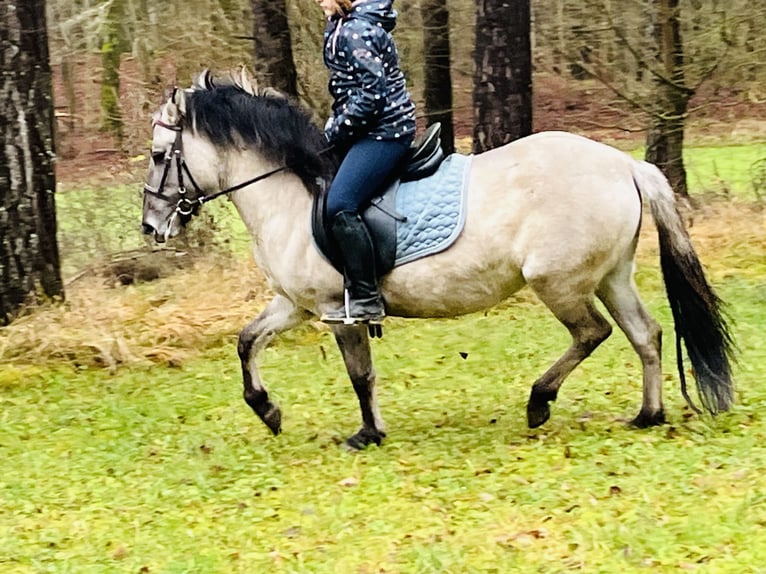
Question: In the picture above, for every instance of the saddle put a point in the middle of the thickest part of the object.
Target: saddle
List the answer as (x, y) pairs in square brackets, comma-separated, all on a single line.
[(380, 214)]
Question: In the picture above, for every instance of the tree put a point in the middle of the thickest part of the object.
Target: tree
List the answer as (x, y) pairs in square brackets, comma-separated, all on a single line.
[(502, 92), (665, 136), (668, 59), (29, 260), (437, 90), (112, 47), (273, 52)]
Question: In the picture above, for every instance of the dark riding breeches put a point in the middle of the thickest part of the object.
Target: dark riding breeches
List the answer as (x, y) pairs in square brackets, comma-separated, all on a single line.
[(363, 171)]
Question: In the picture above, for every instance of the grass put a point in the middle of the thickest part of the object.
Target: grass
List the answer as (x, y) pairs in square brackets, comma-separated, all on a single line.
[(732, 171), (96, 220), (727, 171), (160, 469), (126, 445)]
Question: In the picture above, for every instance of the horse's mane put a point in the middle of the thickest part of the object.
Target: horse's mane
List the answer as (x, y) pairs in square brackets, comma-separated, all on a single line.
[(231, 112)]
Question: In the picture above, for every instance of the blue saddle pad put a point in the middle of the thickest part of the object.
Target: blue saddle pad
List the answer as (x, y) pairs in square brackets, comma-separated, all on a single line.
[(434, 208)]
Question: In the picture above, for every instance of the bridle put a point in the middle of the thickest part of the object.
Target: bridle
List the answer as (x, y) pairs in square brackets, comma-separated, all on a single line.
[(187, 206)]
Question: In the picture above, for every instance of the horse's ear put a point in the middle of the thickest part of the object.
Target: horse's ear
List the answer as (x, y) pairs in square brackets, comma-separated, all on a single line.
[(247, 82), (203, 81), (176, 106), (250, 84), (270, 92)]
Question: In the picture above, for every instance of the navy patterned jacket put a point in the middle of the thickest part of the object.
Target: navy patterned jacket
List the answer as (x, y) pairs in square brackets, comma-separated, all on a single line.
[(367, 86)]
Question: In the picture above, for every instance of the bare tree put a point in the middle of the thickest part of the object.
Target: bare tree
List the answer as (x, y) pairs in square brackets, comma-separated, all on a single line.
[(437, 90), (502, 92), (112, 47), (273, 57), (29, 260), (665, 136)]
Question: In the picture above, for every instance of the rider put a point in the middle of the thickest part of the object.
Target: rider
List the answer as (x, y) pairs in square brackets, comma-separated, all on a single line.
[(372, 125)]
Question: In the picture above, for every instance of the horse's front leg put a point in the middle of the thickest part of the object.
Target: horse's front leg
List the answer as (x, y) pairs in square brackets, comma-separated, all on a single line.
[(354, 345), (279, 315)]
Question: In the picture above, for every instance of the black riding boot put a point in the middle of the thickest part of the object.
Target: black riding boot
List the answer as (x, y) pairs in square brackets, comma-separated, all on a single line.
[(363, 302)]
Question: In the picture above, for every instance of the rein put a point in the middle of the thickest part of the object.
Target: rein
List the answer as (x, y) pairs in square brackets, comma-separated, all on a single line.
[(186, 207)]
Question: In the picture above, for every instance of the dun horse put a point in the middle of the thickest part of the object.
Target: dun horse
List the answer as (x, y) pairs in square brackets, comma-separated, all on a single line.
[(554, 211)]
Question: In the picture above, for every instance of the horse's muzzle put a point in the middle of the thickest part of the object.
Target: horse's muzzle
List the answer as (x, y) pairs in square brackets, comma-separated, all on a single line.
[(148, 229)]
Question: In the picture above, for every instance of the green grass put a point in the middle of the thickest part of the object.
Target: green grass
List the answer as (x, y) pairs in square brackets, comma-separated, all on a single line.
[(96, 221), (166, 469), (727, 170), (724, 170)]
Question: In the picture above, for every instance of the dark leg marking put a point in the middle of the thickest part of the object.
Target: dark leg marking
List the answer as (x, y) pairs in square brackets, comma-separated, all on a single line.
[(354, 346), (259, 401), (588, 329), (279, 315), (364, 438)]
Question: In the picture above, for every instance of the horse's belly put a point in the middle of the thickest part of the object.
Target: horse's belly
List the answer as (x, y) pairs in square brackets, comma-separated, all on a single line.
[(449, 284)]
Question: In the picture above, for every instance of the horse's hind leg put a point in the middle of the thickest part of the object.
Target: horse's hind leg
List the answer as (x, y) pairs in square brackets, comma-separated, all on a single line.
[(278, 316), (618, 293), (354, 345), (588, 329)]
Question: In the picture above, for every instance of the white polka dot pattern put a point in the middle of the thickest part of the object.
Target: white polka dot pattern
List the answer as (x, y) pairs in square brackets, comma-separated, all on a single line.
[(369, 91)]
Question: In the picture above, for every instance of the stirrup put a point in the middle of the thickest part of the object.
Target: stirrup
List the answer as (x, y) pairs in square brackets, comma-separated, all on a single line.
[(332, 319), (344, 316)]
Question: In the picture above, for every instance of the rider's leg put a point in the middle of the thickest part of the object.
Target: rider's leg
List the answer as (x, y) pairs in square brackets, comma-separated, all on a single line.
[(365, 167), (362, 299)]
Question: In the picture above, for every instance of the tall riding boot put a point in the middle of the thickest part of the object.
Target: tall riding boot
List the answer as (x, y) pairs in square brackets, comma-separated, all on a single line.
[(363, 302)]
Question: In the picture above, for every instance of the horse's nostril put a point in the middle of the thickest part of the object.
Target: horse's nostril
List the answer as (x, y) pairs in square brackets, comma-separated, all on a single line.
[(147, 229)]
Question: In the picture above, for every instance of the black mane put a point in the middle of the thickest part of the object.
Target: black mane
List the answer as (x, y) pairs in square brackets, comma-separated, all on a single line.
[(276, 127)]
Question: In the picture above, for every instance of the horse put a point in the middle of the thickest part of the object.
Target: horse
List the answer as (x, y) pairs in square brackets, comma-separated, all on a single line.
[(556, 212)]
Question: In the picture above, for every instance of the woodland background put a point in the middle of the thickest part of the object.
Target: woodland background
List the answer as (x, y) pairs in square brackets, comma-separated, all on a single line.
[(595, 72), (126, 444), (114, 59)]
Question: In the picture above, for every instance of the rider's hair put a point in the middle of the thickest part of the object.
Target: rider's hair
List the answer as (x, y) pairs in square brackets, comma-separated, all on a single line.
[(345, 5)]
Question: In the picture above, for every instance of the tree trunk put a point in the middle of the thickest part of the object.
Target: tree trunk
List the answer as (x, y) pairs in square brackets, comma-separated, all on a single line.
[(29, 261), (502, 92), (437, 90), (273, 51), (665, 136), (111, 50), (578, 34)]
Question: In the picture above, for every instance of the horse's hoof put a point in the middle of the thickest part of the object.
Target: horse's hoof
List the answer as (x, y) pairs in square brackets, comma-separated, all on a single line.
[(273, 419), (537, 413), (364, 438), (646, 420), (268, 412)]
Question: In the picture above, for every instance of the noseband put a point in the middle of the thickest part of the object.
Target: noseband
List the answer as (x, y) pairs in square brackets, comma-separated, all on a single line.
[(187, 206)]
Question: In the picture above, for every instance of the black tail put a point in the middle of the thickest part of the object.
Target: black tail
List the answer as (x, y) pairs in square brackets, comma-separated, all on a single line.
[(697, 310)]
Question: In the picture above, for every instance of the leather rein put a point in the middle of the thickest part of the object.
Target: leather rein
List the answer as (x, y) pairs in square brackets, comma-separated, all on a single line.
[(186, 206)]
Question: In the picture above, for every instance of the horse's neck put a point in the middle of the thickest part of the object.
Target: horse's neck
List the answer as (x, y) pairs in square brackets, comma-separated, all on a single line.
[(275, 210)]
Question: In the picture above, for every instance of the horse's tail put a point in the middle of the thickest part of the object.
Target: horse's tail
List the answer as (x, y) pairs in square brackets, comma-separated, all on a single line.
[(697, 312)]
